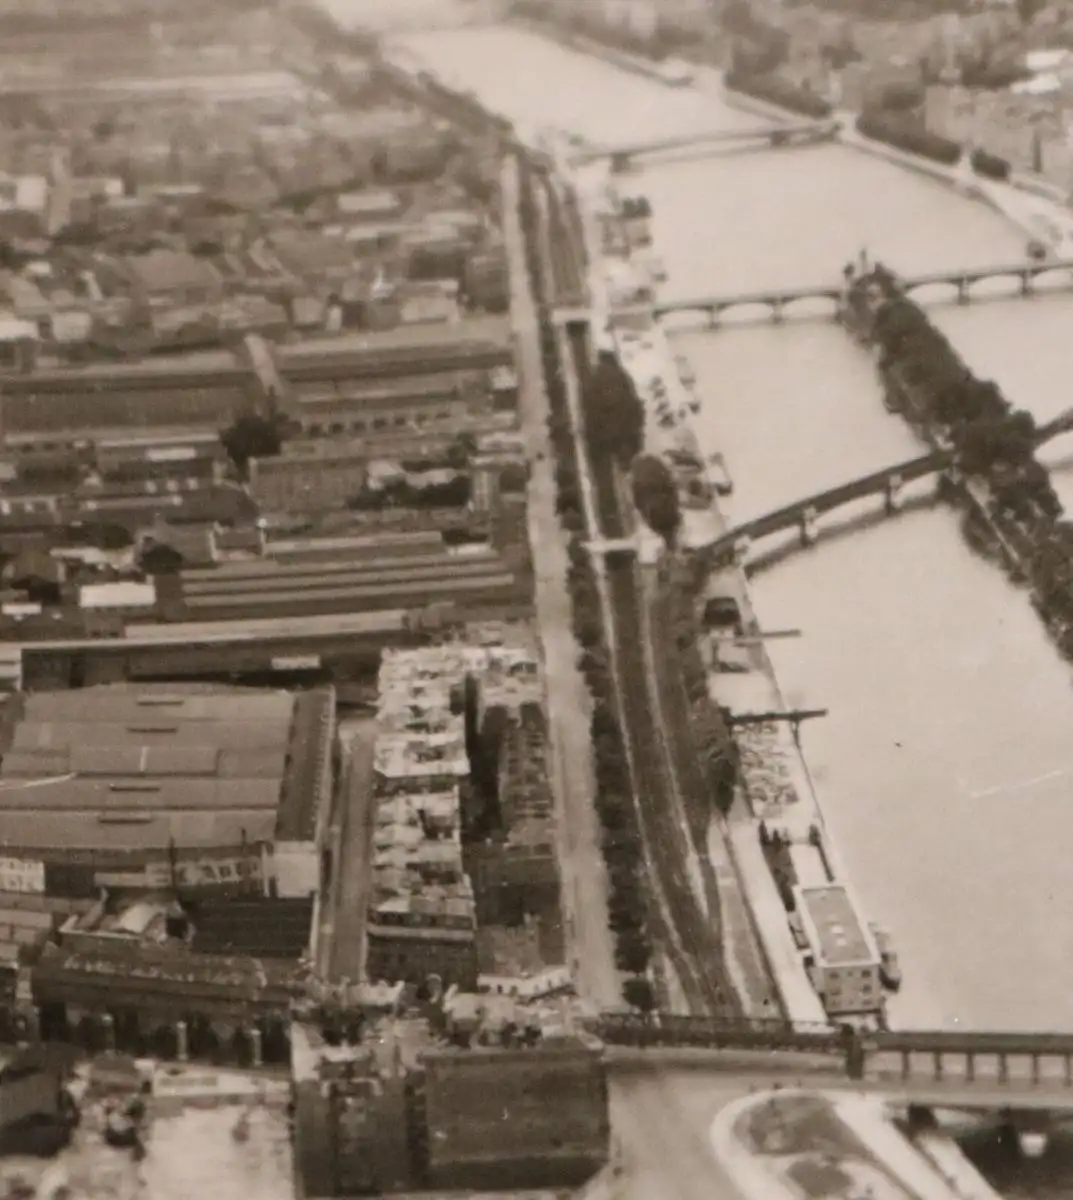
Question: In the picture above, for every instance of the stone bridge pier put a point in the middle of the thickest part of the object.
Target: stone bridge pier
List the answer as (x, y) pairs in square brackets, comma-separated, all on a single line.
[(892, 496), (807, 526)]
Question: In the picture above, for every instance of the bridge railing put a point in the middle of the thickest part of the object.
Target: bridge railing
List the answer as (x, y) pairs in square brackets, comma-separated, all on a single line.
[(936, 1060), (671, 1030)]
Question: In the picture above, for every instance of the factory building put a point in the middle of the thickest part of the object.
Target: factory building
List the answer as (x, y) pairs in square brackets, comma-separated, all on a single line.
[(505, 1119), (192, 786), (59, 410), (174, 833)]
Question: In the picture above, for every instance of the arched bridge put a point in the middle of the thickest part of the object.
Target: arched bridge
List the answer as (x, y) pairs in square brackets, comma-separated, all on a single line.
[(960, 1070), (777, 301), (887, 483), (623, 153)]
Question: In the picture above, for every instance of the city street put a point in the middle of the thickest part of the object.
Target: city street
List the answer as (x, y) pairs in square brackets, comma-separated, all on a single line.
[(584, 881)]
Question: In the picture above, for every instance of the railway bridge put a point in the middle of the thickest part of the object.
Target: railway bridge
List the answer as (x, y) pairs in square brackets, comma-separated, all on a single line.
[(779, 303), (889, 482), (1028, 1073), (623, 154)]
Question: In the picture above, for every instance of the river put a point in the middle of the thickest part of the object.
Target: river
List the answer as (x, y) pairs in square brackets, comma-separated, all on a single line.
[(945, 766)]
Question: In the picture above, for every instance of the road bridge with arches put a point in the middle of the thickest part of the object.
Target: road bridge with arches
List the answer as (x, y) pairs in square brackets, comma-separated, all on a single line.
[(777, 302), (622, 154), (888, 483)]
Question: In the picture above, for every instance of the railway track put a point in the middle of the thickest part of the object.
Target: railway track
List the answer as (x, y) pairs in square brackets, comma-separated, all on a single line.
[(675, 724), (692, 943), (566, 249), (679, 921), (655, 761)]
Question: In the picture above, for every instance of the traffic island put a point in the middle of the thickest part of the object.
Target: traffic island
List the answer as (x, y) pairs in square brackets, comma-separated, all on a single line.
[(784, 1144)]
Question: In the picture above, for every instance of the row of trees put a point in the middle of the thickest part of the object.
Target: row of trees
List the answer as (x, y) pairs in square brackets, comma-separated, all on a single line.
[(991, 166), (663, 39), (764, 85), (907, 133), (896, 119), (655, 495), (713, 740), (614, 414), (992, 440), (615, 432), (621, 840)]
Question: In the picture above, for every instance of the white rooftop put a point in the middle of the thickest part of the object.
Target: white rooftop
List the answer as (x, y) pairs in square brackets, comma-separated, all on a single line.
[(124, 594)]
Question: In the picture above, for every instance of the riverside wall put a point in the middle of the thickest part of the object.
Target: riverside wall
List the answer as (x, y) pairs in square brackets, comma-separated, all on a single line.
[(963, 180), (741, 834)]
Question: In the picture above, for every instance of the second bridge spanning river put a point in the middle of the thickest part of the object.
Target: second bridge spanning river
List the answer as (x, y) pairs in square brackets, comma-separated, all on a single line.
[(887, 482), (778, 301)]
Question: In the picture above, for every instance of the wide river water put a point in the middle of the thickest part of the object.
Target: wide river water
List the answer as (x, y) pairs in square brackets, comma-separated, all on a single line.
[(945, 766)]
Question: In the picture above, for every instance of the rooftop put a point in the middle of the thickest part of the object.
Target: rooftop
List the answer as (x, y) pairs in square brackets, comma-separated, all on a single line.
[(168, 270), (122, 594), (133, 766), (492, 331), (835, 930), (423, 756)]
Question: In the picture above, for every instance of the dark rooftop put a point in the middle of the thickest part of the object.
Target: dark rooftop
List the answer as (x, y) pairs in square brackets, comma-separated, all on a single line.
[(130, 766), (301, 795)]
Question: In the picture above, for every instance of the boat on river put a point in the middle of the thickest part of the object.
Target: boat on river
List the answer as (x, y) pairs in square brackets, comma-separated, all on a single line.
[(890, 972), (719, 476)]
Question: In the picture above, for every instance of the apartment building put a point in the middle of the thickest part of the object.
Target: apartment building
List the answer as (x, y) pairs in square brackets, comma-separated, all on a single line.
[(421, 917), (515, 875), (1032, 129)]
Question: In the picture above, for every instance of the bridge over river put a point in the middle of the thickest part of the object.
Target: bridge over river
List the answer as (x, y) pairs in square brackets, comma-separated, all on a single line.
[(622, 154), (779, 301), (982, 1071), (887, 482)]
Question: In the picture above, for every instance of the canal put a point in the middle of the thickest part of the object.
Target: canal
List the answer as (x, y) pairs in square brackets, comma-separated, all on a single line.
[(945, 767)]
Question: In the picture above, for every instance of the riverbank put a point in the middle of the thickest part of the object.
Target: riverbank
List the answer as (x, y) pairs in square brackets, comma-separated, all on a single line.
[(635, 64), (1029, 205), (792, 809)]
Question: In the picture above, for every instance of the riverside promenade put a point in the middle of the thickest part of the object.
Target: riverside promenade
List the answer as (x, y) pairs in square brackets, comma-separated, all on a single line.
[(758, 945)]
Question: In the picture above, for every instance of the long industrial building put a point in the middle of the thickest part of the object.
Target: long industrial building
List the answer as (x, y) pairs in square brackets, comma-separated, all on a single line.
[(132, 785)]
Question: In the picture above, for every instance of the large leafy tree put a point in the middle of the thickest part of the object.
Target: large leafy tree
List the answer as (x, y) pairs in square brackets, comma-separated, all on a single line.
[(252, 436), (656, 496)]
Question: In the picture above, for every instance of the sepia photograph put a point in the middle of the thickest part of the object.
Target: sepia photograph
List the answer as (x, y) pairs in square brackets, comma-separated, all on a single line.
[(536, 599)]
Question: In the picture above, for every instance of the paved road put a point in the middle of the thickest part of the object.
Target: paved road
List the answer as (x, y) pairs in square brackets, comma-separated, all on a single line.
[(584, 877), (661, 1122)]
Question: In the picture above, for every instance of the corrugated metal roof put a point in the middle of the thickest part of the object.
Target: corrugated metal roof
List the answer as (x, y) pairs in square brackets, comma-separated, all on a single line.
[(94, 759), (116, 703), (35, 764), (147, 730), (137, 796), (78, 830), (258, 763)]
